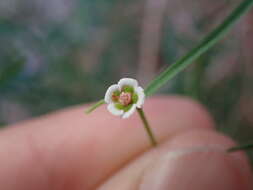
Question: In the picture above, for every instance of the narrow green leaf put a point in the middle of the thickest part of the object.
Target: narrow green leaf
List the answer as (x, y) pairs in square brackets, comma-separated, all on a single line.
[(210, 40), (95, 106), (241, 147)]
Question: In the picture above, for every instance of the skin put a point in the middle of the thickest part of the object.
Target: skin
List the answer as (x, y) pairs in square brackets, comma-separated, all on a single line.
[(69, 150)]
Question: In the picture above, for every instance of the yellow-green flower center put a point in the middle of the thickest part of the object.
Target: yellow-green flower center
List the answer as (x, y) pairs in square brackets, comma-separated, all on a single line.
[(125, 98)]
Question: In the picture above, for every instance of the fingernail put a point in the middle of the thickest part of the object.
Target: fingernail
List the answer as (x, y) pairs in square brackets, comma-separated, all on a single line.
[(195, 169)]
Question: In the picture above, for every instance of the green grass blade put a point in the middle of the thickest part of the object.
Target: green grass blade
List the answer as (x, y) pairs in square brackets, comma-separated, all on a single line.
[(211, 39), (241, 147), (95, 106)]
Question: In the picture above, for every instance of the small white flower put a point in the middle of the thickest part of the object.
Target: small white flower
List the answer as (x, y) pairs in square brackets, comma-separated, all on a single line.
[(123, 98)]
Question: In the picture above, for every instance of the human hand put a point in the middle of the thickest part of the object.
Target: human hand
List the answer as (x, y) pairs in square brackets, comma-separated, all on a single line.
[(69, 150)]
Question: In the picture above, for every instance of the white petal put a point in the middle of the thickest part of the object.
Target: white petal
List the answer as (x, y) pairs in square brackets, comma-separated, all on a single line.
[(129, 112), (109, 92), (141, 96), (128, 81), (111, 108)]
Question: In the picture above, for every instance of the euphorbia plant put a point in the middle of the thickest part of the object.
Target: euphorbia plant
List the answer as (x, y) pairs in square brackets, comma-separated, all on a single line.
[(127, 96)]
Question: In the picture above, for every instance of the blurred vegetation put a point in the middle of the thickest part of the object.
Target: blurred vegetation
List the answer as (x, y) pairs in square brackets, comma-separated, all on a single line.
[(55, 54)]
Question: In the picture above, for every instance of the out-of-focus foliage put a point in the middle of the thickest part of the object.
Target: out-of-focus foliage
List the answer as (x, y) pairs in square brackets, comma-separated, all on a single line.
[(57, 53), (54, 54)]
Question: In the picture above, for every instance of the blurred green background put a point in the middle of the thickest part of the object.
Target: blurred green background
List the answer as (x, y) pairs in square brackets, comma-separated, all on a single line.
[(58, 53)]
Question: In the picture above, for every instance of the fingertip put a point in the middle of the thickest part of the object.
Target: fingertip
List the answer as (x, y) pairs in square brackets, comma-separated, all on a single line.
[(187, 161), (195, 169), (212, 140), (198, 159)]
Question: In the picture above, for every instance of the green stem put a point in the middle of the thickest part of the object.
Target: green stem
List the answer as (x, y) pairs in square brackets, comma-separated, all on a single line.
[(147, 127), (95, 106), (241, 147), (209, 41)]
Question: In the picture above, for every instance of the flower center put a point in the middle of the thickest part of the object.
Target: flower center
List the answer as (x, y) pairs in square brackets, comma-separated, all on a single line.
[(125, 98)]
